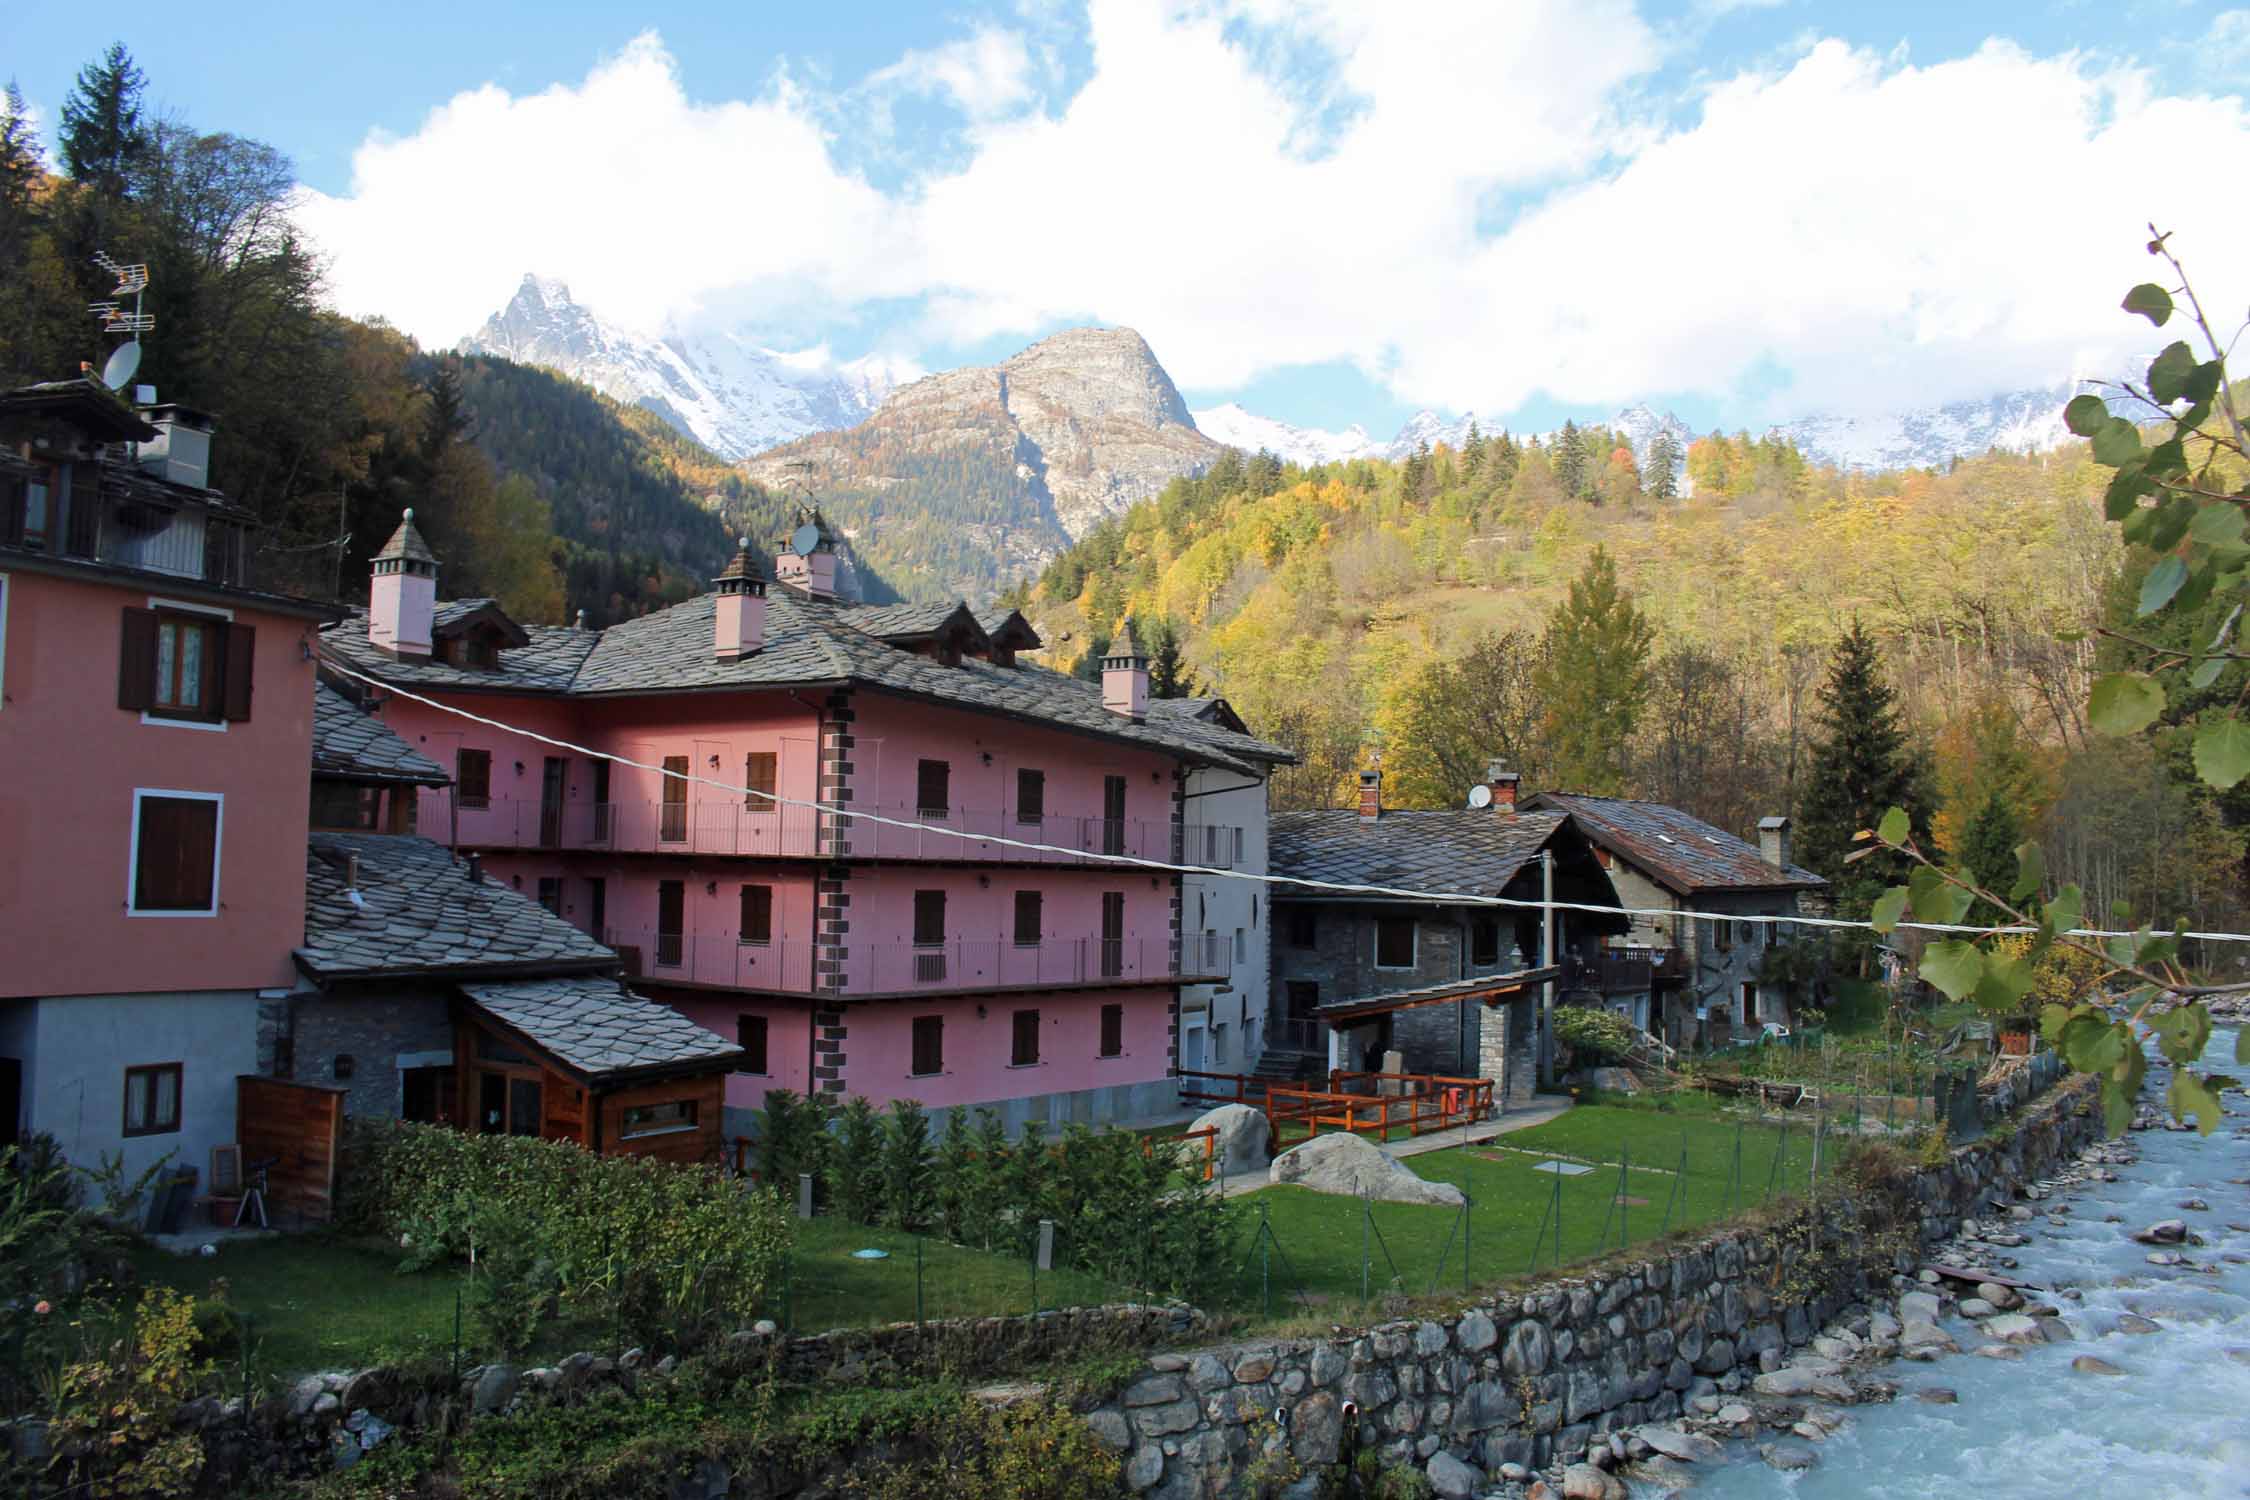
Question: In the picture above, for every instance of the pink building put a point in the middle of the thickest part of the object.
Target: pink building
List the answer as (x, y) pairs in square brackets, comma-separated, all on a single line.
[(155, 723), (811, 836)]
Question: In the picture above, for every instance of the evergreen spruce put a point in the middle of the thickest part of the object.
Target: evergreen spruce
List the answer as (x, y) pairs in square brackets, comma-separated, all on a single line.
[(1168, 673), (1661, 478), (103, 138), (1570, 460), (1862, 766), (1593, 679), (1472, 451), (1988, 849)]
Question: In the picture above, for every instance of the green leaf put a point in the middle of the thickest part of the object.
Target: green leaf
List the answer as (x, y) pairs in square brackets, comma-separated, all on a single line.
[(2187, 1096), (2168, 373), (2123, 496), (2118, 442), (2061, 914), (2218, 524), (2054, 1020), (2031, 872), (1954, 966), (2094, 1044), (2182, 1033), (2124, 702), (2006, 981), (1889, 907), (1935, 899), (2162, 583), (2150, 301), (2200, 387), (2222, 751), (2117, 1107), (2085, 415), (1895, 828), (2206, 672)]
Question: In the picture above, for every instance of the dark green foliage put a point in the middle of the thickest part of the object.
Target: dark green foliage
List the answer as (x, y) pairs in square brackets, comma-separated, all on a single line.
[(793, 1141), (907, 1178), (855, 1173), (1661, 478), (1988, 850), (103, 138), (1168, 674), (513, 1284), (985, 1179), (1862, 765), (1027, 1186), (951, 1174), (1570, 460), (1593, 679)]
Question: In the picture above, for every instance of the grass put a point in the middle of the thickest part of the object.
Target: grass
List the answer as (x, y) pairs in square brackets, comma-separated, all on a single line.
[(1338, 1251), (830, 1288)]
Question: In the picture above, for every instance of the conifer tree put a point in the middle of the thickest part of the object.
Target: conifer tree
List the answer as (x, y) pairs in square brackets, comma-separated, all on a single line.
[(1168, 673), (1663, 463), (1505, 456), (1988, 848), (102, 135), (1593, 679), (1472, 450), (1414, 475), (1570, 460), (1862, 766)]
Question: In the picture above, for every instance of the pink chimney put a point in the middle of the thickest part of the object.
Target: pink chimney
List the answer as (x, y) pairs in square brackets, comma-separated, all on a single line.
[(402, 594), (1125, 676), (740, 608), (808, 560)]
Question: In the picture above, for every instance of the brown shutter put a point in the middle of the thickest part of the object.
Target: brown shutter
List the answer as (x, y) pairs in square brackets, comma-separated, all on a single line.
[(136, 660), (242, 646)]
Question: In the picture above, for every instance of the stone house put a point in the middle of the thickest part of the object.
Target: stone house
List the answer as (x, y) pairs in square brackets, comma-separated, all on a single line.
[(1703, 981)]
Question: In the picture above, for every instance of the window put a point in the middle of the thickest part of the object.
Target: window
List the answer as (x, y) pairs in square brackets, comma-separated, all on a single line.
[(1028, 912), (175, 854), (1025, 1053), (1304, 929), (671, 921), (472, 778), (597, 904), (1113, 934), (184, 665), (929, 1046), (750, 1036), (1303, 996), (1394, 942), (1113, 815), (929, 918), (1031, 796), (1241, 946), (346, 808), (550, 893), (1484, 940), (659, 1119), (152, 1099), (1238, 840), (673, 828), (759, 769), (1113, 1031), (757, 914), (933, 788), (1722, 934)]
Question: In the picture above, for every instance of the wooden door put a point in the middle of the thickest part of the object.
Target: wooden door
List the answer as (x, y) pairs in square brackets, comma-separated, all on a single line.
[(551, 802), (1113, 815), (673, 827), (1113, 934), (671, 921)]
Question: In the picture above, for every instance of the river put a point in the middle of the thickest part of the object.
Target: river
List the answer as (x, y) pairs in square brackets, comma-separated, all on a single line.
[(2175, 1426)]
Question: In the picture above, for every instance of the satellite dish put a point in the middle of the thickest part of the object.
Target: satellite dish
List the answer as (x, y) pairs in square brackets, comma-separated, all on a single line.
[(124, 360), (1480, 795), (804, 539)]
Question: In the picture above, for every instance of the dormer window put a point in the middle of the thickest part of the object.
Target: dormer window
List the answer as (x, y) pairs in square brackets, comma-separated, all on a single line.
[(479, 651)]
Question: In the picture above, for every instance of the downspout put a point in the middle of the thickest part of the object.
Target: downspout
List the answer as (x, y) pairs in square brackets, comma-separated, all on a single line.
[(1547, 958), (1461, 1006), (812, 940)]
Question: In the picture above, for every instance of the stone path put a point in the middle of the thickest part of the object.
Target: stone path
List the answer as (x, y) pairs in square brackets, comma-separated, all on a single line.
[(1539, 1111)]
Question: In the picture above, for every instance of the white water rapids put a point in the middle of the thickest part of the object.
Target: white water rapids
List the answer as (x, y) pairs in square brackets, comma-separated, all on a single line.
[(2175, 1426)]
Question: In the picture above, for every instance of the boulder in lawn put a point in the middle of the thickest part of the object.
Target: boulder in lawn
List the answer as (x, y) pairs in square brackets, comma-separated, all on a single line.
[(1244, 1142), (1346, 1164)]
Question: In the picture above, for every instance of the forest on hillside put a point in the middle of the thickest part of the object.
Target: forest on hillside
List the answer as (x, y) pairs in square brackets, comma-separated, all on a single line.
[(1727, 651), (529, 487)]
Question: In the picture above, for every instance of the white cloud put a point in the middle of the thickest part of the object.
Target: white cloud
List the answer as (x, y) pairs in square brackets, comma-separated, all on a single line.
[(1468, 202), (2223, 53)]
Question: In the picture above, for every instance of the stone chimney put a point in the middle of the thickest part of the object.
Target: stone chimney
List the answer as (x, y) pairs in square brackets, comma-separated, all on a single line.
[(741, 607), (1773, 841), (402, 595), (808, 559), (1503, 784), (1371, 795), (181, 449), (1125, 676)]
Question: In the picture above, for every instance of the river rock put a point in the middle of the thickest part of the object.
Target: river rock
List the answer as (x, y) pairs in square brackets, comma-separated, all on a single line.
[(1585, 1482), (495, 1388), (2135, 1323), (1790, 1458), (2013, 1328), (2195, 1205), (1997, 1351), (2087, 1364), (1937, 1395), (1918, 1307), (1925, 1341), (1344, 1163), (2163, 1232), (1977, 1307), (1687, 1447), (2003, 1297), (1245, 1138), (1451, 1478)]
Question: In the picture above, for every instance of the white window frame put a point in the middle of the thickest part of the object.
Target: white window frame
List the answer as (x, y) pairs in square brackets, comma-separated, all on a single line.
[(182, 606), (133, 857), (1414, 945)]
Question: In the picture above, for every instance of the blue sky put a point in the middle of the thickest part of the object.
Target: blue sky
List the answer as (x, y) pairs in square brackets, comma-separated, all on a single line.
[(1330, 214)]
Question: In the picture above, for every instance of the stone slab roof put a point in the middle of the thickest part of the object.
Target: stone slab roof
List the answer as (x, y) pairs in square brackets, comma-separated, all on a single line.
[(545, 664), (420, 913), (352, 745), (1472, 850), (1683, 854), (1490, 988), (1198, 717), (596, 1027)]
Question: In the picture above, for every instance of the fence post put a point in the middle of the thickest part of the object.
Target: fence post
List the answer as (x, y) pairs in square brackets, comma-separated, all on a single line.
[(804, 1195), (1624, 1197), (457, 1333), (1265, 1257), (1366, 1224), (249, 1330), (1468, 1205), (917, 1283)]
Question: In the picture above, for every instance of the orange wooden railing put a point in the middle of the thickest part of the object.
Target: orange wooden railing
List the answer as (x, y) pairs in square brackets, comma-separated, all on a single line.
[(1355, 1102), (1209, 1136)]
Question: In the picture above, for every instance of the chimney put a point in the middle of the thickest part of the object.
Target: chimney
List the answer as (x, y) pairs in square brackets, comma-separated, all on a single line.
[(1125, 676), (808, 559), (1773, 841), (741, 607), (1371, 795), (402, 596), (1503, 783), (475, 870), (181, 449), (351, 872)]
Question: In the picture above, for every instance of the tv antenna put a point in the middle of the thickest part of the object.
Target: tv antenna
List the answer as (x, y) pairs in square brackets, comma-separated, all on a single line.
[(132, 281)]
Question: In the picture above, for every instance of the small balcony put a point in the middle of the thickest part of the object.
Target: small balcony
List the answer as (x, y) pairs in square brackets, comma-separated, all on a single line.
[(957, 965), (1623, 970), (723, 826)]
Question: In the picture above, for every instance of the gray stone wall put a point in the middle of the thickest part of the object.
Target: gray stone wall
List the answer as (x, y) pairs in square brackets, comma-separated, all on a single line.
[(1341, 961), (374, 1024), (1533, 1378)]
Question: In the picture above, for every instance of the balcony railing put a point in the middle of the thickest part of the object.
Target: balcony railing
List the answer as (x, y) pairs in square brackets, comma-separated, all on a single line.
[(1616, 971), (957, 965), (725, 826)]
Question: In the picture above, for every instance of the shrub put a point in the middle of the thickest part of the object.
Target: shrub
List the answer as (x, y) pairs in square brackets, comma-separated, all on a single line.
[(855, 1172), (793, 1141), (1595, 1037), (515, 1285), (113, 1432), (905, 1187)]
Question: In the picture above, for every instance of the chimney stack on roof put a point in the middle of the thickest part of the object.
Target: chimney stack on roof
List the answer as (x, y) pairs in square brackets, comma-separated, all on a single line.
[(1125, 675), (741, 607), (808, 559), (1503, 784), (402, 595), (1773, 841), (1371, 794), (181, 449)]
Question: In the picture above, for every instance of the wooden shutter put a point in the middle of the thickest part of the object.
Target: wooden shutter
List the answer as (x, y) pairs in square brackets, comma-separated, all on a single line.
[(750, 1035), (933, 785), (1028, 913), (757, 914), (929, 917), (1026, 1049), (178, 838), (136, 660), (242, 646), (758, 775), (929, 1045), (1113, 1031), (1031, 796)]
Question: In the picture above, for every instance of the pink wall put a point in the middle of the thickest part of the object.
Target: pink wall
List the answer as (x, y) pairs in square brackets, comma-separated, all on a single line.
[(893, 735), (788, 1040), (879, 1046), (69, 762)]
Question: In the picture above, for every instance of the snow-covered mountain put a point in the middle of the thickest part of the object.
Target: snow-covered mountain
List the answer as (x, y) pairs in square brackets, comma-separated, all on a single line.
[(2017, 422), (728, 392), (1236, 428)]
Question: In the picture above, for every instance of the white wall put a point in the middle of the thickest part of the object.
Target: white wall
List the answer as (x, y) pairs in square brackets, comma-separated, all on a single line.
[(75, 1084), (1211, 903)]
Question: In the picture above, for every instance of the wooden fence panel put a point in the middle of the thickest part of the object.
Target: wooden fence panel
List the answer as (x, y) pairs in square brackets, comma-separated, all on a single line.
[(299, 1128)]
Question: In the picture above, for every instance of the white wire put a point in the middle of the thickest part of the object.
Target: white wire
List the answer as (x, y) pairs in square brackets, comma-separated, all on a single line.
[(1450, 898)]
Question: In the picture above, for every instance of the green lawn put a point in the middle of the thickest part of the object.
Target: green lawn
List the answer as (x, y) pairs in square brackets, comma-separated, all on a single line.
[(1334, 1248), (830, 1288)]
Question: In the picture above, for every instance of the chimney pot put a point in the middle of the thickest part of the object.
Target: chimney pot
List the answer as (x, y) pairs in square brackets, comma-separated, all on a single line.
[(1370, 795), (402, 594), (1125, 676), (351, 872), (476, 869), (1504, 785), (1773, 841), (739, 616)]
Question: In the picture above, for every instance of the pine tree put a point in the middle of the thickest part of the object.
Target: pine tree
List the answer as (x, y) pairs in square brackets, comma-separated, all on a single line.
[(1472, 451), (1505, 456), (102, 135), (1593, 679), (1862, 766), (1570, 460), (1414, 474), (1168, 673), (1988, 849), (19, 175), (1663, 464)]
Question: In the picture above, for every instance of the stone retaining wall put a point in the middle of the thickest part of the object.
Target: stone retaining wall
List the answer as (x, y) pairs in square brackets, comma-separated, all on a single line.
[(1529, 1378)]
